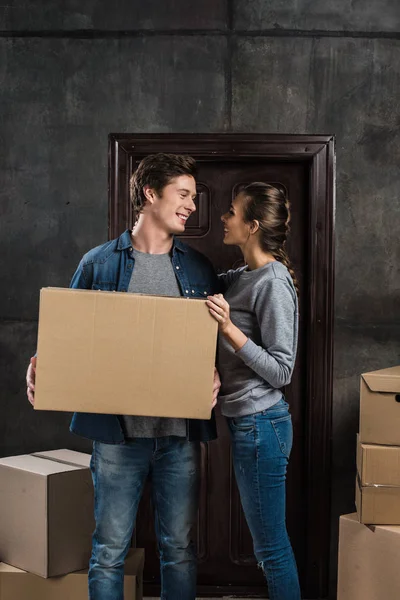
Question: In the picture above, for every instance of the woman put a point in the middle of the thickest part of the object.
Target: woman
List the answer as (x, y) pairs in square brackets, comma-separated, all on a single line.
[(258, 324)]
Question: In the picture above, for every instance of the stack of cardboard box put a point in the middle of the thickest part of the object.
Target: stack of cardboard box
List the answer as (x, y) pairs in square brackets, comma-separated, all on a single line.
[(369, 540), (46, 526)]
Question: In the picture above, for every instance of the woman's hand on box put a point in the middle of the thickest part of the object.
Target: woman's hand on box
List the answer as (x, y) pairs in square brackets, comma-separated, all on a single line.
[(219, 309)]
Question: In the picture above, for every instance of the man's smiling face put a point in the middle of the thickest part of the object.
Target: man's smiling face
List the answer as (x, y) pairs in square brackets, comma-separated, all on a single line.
[(173, 207)]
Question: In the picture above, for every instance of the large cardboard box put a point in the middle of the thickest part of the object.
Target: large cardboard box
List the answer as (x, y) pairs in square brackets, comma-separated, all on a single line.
[(129, 354), (378, 465), (46, 512), (378, 504), (380, 407), (368, 567), (19, 585)]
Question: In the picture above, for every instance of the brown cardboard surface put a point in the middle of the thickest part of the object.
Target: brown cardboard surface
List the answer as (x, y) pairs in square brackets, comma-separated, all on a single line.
[(378, 465), (129, 354), (66, 456), (384, 380), (46, 515), (378, 504), (16, 584), (368, 565), (379, 407)]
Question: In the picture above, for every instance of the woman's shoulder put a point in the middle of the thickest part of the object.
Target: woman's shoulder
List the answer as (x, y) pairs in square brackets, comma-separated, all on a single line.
[(278, 279)]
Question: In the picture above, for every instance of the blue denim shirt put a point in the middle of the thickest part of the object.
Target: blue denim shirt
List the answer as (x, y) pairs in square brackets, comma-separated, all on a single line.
[(109, 267)]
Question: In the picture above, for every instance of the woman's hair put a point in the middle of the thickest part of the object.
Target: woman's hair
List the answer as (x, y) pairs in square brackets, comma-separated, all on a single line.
[(269, 205), (156, 171)]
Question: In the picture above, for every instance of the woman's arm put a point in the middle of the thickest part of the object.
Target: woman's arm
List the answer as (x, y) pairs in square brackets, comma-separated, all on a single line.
[(219, 309), (275, 311)]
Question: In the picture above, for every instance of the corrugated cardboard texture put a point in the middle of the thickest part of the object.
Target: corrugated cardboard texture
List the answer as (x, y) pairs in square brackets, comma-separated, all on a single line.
[(23, 518), (19, 585), (66, 456), (69, 502), (110, 352), (384, 380), (368, 567), (46, 516), (378, 465), (378, 505), (379, 408)]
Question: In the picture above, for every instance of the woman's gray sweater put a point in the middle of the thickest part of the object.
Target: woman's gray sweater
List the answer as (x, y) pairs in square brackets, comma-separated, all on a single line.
[(263, 304)]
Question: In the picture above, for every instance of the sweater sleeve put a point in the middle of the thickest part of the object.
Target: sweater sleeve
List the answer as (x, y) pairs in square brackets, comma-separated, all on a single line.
[(276, 313)]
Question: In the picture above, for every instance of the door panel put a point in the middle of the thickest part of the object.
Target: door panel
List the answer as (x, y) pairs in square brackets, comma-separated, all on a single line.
[(304, 166), (223, 539)]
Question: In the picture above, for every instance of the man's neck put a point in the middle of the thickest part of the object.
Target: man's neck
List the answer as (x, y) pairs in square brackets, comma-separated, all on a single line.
[(152, 240)]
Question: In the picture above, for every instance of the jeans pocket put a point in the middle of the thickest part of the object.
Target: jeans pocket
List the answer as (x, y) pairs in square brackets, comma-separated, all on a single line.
[(284, 433), (245, 424)]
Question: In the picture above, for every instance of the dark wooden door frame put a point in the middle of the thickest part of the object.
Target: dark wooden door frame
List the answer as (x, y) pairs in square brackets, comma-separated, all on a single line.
[(319, 153)]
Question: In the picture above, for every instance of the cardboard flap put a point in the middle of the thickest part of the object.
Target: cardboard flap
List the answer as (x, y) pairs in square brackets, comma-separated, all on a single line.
[(385, 380), (36, 464), (4, 568), (68, 457)]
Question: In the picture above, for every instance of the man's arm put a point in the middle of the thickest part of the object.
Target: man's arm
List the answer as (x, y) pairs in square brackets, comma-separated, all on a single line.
[(80, 280), (30, 380)]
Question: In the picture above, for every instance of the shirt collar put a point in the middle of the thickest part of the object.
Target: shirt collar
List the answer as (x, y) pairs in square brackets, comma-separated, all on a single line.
[(125, 242)]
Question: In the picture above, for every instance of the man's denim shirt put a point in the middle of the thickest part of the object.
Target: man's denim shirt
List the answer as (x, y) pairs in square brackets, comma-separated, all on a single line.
[(109, 267)]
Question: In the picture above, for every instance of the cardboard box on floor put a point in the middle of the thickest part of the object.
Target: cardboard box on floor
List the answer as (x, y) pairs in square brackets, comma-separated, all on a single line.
[(368, 566), (378, 504), (380, 407), (378, 465), (46, 512), (19, 585), (130, 354)]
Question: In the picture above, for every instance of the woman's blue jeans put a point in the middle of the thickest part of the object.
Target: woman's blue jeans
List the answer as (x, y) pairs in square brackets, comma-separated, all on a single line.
[(261, 445), (119, 473)]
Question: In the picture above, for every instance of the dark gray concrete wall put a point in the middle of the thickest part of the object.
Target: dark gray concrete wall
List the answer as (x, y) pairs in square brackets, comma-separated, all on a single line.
[(244, 65), (126, 15), (342, 15), (60, 98)]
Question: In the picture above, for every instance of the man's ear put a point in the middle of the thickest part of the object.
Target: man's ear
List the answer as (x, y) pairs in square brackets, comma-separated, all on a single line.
[(254, 227), (149, 193)]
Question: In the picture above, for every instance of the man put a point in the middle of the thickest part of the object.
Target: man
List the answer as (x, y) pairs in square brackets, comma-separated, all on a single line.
[(126, 449)]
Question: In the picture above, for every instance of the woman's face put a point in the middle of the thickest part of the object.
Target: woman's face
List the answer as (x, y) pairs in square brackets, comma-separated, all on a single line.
[(236, 231)]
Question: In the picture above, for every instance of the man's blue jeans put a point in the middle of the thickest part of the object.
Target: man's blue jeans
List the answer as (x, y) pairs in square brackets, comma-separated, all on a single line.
[(261, 445), (119, 473)]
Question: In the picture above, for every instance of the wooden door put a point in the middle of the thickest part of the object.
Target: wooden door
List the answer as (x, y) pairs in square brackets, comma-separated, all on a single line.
[(226, 562)]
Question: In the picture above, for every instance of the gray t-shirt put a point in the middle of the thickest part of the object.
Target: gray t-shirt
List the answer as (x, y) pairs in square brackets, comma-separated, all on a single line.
[(263, 304), (153, 274)]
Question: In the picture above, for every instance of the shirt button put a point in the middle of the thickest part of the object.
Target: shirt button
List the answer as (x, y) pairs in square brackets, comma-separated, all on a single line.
[(192, 291), (205, 293), (177, 268), (130, 249), (130, 266), (186, 291)]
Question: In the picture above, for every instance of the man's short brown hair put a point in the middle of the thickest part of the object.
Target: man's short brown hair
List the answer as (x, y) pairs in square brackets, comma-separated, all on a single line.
[(156, 171)]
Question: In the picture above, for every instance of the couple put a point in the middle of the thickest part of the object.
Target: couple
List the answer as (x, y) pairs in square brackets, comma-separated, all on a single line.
[(257, 319)]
